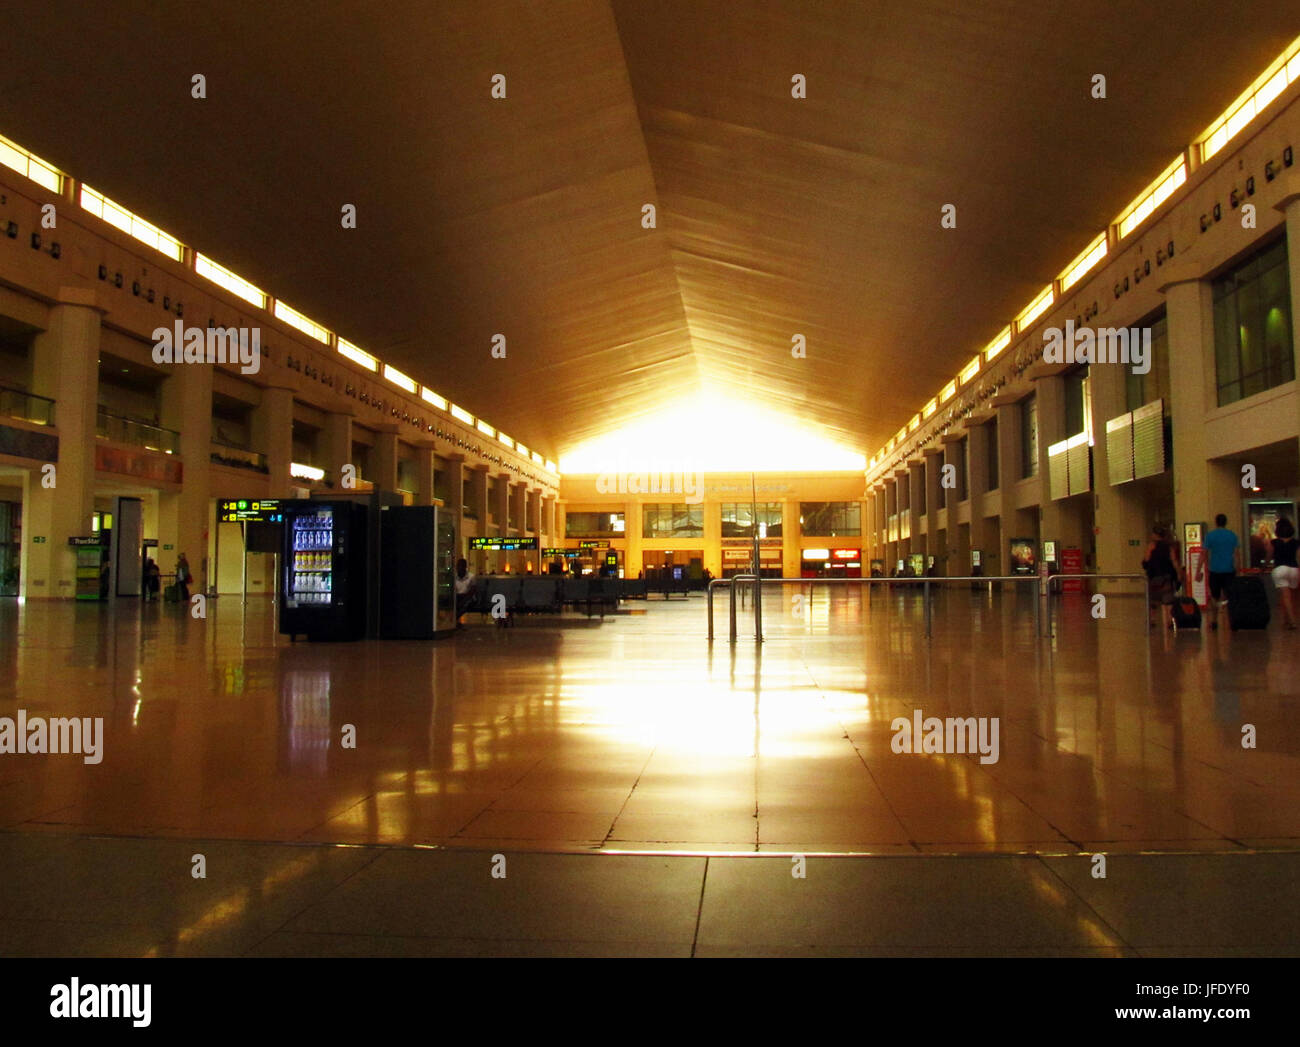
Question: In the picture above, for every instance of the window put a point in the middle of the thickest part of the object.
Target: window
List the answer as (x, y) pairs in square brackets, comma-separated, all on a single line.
[(738, 519), (304, 324), (831, 519), (223, 277), (1154, 385), (1252, 326), (30, 166), (102, 207), (593, 525), (672, 520), (991, 429), (1029, 437)]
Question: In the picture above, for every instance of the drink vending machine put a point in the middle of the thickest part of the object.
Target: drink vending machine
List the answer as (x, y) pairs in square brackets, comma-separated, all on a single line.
[(323, 585)]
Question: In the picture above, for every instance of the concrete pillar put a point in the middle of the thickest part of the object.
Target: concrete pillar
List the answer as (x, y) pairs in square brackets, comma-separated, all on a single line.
[(933, 502), (1010, 440), (337, 449), (272, 425), (185, 518), (65, 369), (791, 540), (633, 553), (1289, 205), (916, 500), (502, 503), (424, 472), (383, 460), (1201, 488), (891, 509), (1120, 511), (517, 501)]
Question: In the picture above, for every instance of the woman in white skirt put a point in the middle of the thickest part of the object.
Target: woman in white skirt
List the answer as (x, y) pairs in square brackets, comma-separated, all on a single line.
[(1286, 575)]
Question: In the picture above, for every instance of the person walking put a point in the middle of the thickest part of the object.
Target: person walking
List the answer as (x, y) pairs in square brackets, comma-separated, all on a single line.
[(1219, 560), (465, 587), (1286, 575), (183, 578), (1163, 577), (151, 578)]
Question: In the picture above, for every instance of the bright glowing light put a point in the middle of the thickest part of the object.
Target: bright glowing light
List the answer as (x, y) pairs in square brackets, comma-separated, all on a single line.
[(998, 344), (462, 414), (305, 472), (1035, 309), (304, 324), (30, 166), (430, 396), (948, 391), (1088, 258), (485, 429), (1283, 70), (1152, 197), (712, 434), (358, 355), (930, 408), (133, 225), (969, 371), (400, 380), (505, 439), (521, 449), (537, 458), (232, 282)]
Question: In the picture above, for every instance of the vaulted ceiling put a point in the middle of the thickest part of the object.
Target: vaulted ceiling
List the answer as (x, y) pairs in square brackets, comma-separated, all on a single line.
[(776, 216)]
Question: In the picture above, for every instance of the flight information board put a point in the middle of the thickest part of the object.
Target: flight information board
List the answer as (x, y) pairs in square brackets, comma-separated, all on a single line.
[(242, 510), (506, 545)]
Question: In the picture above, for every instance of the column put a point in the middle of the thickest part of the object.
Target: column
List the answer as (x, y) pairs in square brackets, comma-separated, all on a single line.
[(383, 460), (1201, 488), (933, 496), (1120, 512), (337, 450), (273, 436), (184, 517), (65, 368), (424, 470), (916, 499), (1289, 205)]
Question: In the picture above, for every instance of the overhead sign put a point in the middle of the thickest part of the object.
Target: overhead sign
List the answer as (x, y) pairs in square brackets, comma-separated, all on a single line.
[(499, 544), (570, 553), (594, 543), (85, 540), (242, 510), (846, 554)]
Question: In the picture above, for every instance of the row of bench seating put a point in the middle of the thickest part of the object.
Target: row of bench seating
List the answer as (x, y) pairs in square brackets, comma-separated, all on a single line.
[(550, 595)]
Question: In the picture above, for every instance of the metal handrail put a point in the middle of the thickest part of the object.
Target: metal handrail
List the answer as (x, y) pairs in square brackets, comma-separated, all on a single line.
[(923, 582), (1050, 632)]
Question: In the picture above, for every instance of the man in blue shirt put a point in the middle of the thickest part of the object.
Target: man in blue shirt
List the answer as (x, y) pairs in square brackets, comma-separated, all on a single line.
[(1219, 554)]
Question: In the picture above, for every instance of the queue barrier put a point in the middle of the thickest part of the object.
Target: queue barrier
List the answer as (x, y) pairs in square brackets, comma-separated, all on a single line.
[(1042, 619)]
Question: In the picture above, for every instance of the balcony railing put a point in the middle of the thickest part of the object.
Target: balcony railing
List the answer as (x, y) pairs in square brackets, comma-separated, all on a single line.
[(14, 403), (116, 427), (237, 457)]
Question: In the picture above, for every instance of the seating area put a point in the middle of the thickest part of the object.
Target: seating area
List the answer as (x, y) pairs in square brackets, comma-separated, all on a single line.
[(548, 594)]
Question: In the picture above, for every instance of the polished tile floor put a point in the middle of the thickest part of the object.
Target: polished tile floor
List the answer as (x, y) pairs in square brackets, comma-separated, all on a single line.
[(124, 897), (647, 789), (636, 734)]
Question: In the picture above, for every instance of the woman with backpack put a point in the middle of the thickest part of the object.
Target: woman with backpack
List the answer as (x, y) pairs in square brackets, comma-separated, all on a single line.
[(1164, 575)]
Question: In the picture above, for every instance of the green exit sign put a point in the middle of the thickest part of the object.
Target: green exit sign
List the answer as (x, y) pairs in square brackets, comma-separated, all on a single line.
[(38, 539)]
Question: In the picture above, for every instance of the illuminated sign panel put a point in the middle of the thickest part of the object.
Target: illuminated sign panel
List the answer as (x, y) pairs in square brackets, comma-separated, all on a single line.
[(507, 545), (594, 543), (242, 510)]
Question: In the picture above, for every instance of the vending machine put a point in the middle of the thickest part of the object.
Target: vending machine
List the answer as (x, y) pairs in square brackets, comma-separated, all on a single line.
[(417, 568), (323, 584)]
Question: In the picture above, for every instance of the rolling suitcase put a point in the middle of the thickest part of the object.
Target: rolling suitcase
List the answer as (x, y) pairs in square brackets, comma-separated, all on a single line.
[(1187, 613), (1247, 604)]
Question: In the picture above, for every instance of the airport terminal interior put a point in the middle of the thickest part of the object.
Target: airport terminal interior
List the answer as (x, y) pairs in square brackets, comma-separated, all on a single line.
[(650, 478)]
